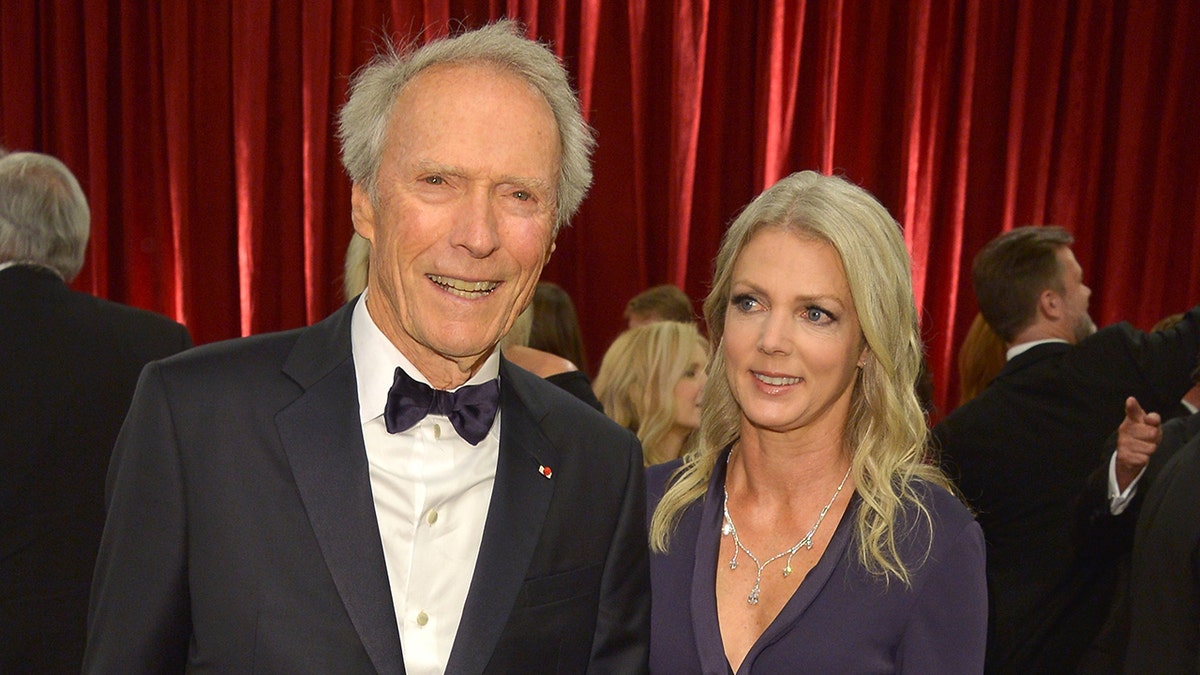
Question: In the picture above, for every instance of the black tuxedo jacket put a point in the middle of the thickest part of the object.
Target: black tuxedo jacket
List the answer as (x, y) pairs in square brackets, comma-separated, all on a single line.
[(68, 365), (242, 534), (1022, 451), (1163, 618), (1164, 590)]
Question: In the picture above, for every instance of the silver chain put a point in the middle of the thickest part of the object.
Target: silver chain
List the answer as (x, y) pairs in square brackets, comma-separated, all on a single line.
[(729, 529)]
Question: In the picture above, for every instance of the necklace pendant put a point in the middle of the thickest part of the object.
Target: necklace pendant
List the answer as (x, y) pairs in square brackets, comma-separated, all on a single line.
[(728, 528)]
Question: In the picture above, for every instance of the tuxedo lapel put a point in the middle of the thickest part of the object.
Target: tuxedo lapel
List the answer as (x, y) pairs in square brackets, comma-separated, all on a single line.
[(516, 514), (322, 438)]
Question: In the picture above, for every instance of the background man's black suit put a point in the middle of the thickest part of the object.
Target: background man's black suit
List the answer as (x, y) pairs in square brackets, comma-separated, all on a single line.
[(68, 366), (1022, 451), (1164, 590), (1163, 611)]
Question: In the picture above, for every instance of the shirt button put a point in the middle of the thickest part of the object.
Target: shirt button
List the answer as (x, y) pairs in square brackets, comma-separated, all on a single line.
[(422, 619), (437, 431), (431, 517)]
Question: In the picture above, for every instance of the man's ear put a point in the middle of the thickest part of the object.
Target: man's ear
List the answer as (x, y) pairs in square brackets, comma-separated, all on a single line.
[(550, 252), (362, 212), (1050, 304)]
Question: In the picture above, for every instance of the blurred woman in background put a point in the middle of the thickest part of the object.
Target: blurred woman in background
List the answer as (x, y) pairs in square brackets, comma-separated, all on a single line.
[(650, 382), (555, 326)]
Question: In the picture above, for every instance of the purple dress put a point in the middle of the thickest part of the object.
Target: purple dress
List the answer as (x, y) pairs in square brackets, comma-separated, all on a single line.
[(841, 619)]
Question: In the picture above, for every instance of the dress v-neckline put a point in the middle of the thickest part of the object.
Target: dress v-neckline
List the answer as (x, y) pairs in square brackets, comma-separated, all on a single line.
[(706, 623)]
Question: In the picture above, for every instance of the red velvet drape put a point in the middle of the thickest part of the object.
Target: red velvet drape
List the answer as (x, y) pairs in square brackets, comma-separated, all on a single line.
[(202, 133)]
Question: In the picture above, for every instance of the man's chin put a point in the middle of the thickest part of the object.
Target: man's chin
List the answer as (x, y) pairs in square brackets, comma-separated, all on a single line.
[(461, 352)]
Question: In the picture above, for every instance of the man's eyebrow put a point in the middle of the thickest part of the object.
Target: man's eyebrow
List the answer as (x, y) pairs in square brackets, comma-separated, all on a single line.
[(527, 182), (429, 166)]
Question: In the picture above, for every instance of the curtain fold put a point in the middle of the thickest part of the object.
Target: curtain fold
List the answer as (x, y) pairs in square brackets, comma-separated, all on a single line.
[(204, 136), (177, 95)]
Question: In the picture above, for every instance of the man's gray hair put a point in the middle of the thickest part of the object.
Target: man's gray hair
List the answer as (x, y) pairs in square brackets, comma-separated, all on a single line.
[(44, 216), (363, 121)]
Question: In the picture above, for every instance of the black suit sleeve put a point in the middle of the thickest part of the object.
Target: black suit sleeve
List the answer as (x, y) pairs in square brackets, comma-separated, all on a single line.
[(139, 619), (1099, 535), (622, 640), (1166, 360)]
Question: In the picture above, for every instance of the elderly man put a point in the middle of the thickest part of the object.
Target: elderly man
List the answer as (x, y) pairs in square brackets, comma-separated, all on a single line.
[(1022, 450), (68, 365), (383, 492)]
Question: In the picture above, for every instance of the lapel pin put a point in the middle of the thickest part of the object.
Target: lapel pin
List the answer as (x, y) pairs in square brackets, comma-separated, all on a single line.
[(545, 471)]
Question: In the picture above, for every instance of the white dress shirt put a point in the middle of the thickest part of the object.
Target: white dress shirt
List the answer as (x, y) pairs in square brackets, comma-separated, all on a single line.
[(431, 490)]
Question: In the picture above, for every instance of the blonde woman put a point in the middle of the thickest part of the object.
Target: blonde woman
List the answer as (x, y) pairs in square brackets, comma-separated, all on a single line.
[(804, 533), (650, 382)]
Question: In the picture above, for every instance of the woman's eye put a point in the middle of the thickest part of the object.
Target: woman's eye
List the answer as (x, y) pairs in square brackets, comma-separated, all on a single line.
[(818, 315), (744, 303)]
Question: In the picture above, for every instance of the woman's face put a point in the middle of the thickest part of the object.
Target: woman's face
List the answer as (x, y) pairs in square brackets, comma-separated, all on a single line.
[(689, 388), (792, 341)]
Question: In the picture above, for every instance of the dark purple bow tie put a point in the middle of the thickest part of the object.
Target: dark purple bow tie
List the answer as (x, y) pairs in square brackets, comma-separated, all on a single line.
[(471, 409)]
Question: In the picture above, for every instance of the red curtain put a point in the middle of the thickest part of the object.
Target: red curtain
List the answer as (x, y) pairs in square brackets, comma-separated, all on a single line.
[(203, 136)]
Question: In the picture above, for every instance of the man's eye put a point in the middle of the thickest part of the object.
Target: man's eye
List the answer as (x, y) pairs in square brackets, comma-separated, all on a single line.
[(435, 180), (522, 195)]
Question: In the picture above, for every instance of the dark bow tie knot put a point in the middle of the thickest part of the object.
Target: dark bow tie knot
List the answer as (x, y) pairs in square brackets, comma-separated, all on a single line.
[(471, 409)]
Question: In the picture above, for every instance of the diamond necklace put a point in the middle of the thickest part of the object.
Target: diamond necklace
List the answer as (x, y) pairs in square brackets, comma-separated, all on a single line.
[(729, 529)]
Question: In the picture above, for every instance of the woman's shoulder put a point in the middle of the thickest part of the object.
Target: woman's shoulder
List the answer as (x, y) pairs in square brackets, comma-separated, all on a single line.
[(946, 511), (658, 478)]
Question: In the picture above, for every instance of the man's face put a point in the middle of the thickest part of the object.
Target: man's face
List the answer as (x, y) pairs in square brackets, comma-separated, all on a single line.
[(1075, 295), (464, 216)]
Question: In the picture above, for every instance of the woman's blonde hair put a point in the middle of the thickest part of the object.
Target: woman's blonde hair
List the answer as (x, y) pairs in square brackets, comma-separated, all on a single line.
[(885, 433), (358, 260), (636, 382)]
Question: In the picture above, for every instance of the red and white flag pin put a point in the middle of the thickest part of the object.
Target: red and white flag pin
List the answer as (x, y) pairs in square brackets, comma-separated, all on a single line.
[(545, 471)]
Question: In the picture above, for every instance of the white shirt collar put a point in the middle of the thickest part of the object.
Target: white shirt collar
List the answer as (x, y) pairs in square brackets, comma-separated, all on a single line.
[(376, 358), (1017, 350)]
